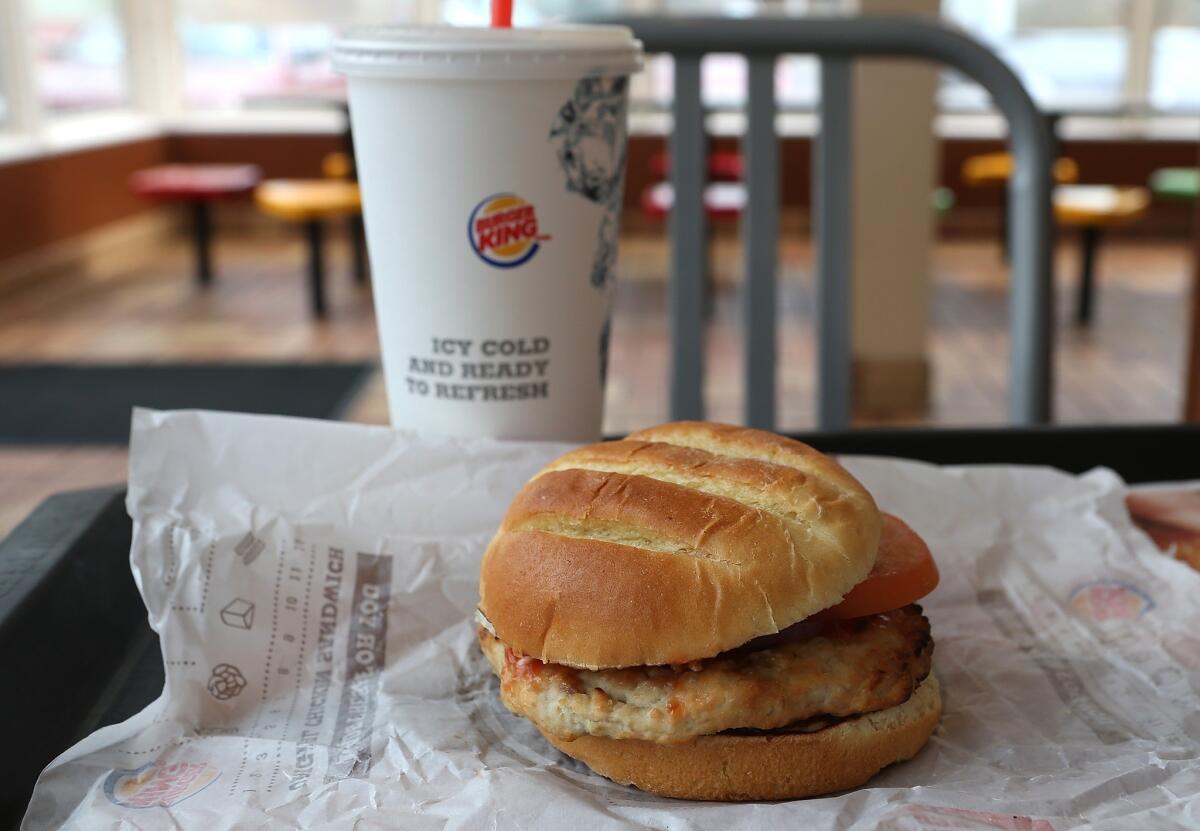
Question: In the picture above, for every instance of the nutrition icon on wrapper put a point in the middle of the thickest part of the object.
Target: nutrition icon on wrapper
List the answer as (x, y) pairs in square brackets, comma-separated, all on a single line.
[(226, 682)]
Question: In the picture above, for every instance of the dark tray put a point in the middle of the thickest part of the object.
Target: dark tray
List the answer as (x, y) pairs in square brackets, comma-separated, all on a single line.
[(78, 653)]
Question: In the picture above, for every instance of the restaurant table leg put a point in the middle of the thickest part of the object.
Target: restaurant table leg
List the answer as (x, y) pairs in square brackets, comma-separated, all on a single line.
[(1089, 237), (316, 265), (1005, 251), (202, 241), (358, 248)]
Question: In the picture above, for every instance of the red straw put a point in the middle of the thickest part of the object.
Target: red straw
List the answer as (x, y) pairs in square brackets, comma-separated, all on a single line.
[(502, 14)]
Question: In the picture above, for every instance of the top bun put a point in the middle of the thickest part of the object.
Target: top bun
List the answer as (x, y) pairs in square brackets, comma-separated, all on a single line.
[(675, 544)]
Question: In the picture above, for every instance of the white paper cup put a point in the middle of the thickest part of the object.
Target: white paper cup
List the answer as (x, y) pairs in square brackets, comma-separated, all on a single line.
[(492, 165)]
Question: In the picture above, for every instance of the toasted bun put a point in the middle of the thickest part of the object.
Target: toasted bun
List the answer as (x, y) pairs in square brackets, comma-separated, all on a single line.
[(731, 767), (673, 545)]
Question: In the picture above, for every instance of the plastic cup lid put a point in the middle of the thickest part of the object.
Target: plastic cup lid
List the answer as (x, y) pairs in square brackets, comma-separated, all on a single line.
[(455, 52)]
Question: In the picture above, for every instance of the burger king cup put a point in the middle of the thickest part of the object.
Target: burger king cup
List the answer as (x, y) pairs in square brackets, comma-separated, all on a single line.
[(492, 164)]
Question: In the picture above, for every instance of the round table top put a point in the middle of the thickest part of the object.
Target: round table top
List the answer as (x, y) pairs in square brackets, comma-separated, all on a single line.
[(1099, 204), (195, 181), (722, 200)]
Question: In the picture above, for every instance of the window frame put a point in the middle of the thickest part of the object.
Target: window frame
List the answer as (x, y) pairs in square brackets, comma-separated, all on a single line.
[(153, 56), (16, 71), (1142, 22)]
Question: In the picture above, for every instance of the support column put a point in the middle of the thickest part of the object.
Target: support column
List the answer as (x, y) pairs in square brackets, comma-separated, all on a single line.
[(17, 69), (154, 62), (894, 163)]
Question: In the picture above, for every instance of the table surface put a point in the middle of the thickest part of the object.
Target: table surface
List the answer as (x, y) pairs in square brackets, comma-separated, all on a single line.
[(28, 475), (182, 181), (65, 581)]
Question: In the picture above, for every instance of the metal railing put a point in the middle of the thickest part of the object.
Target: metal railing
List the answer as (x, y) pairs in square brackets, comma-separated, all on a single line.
[(836, 41)]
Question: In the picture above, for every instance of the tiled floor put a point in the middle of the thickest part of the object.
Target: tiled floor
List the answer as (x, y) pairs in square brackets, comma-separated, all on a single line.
[(1127, 367)]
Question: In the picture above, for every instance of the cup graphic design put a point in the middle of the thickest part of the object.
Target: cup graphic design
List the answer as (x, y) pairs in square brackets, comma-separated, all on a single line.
[(589, 133)]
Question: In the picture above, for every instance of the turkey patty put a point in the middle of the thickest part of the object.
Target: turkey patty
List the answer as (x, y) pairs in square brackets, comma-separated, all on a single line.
[(847, 668)]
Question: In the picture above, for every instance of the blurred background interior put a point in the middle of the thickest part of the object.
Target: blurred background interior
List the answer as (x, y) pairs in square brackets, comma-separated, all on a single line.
[(121, 276)]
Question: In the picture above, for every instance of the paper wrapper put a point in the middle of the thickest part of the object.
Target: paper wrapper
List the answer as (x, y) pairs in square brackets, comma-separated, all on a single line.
[(313, 585)]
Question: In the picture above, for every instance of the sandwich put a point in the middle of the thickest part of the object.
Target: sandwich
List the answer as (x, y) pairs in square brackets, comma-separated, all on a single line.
[(711, 612)]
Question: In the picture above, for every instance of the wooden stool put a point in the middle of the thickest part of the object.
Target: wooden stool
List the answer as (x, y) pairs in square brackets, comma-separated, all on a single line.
[(310, 202), (198, 186), (1091, 208), (995, 169), (337, 165)]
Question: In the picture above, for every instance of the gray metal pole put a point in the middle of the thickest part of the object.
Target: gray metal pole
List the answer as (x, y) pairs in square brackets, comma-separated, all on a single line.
[(833, 220), (689, 255), (761, 236), (1031, 323), (1031, 289)]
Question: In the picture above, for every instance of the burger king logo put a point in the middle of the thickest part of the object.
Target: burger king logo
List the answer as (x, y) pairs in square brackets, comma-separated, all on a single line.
[(1103, 600), (503, 230), (156, 785)]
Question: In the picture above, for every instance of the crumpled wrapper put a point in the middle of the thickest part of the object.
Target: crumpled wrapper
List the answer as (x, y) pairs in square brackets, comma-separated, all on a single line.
[(313, 586)]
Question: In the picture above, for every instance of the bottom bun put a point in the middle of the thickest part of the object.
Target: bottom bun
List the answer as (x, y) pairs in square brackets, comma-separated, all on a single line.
[(731, 767)]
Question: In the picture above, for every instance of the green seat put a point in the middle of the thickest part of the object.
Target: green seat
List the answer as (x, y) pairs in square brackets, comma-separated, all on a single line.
[(1178, 183)]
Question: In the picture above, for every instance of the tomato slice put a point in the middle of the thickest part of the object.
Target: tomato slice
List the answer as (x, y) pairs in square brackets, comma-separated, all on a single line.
[(904, 572)]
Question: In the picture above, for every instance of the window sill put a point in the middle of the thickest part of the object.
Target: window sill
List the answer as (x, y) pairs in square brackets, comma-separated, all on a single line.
[(258, 122), (950, 126), (86, 132), (70, 134)]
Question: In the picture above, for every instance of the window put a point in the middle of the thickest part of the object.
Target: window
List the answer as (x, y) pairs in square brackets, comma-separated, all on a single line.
[(1090, 56), (1069, 55), (79, 53), (528, 12), (798, 82), (723, 77), (242, 54), (233, 64), (1175, 57), (722, 82)]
